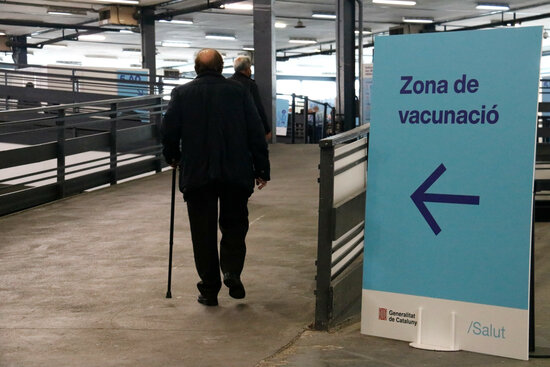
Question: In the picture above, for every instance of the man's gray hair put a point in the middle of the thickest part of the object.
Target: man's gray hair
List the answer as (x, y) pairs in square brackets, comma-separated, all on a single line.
[(241, 63)]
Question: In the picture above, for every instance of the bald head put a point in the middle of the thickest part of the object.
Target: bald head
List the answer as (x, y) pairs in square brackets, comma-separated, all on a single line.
[(208, 59)]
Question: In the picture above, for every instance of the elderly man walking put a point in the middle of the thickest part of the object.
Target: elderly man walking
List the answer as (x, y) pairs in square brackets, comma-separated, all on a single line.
[(212, 130), (243, 71)]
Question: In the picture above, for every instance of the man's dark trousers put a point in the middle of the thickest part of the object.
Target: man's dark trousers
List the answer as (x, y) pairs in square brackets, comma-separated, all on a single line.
[(202, 207)]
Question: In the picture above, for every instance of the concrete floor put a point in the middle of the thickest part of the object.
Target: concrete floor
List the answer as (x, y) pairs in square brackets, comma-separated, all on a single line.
[(83, 283)]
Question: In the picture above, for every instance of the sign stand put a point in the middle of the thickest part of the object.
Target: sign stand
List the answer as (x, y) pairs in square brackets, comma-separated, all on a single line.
[(452, 347)]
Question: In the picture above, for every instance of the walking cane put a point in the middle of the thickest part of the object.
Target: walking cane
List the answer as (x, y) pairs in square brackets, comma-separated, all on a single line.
[(172, 205)]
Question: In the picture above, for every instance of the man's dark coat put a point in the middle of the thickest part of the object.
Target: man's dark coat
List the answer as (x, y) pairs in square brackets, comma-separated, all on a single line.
[(222, 139), (250, 84)]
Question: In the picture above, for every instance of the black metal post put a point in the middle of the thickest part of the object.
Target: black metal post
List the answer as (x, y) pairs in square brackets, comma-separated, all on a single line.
[(293, 127), (113, 144), (264, 58), (148, 50), (323, 299), (345, 41), (172, 207), (323, 131), (532, 286), (158, 120), (306, 120), (60, 123)]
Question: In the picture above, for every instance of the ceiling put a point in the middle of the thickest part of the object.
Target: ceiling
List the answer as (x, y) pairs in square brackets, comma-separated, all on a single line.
[(26, 17)]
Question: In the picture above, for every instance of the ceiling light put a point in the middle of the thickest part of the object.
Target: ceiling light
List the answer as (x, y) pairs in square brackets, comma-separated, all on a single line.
[(68, 62), (177, 21), (238, 6), (98, 56), (248, 48), (365, 31), (130, 2), (59, 12), (126, 31), (91, 37), (175, 60), (395, 2), (324, 15), (174, 44), (302, 40), (417, 20), (224, 37), (65, 11), (280, 25), (299, 24), (486, 6), (2, 33)]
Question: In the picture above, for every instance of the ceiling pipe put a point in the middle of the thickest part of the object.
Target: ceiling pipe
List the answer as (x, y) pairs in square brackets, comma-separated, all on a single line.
[(38, 24), (502, 23)]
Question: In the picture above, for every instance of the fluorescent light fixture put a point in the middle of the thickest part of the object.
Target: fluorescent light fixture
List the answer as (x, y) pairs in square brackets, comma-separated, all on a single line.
[(395, 2), (129, 2), (67, 62), (65, 11), (59, 12), (91, 37), (175, 60), (323, 15), (177, 21), (2, 33), (248, 48), (365, 31), (98, 56), (487, 6), (174, 44), (280, 25), (126, 31), (417, 20), (302, 40), (223, 37), (238, 6)]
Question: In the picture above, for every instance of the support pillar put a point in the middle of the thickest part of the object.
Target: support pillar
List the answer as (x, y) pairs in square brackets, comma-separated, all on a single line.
[(148, 50), (19, 54), (264, 58), (345, 59)]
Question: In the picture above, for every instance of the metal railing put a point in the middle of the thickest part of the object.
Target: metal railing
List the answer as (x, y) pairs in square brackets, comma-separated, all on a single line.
[(342, 185), (53, 152), (74, 85), (301, 128)]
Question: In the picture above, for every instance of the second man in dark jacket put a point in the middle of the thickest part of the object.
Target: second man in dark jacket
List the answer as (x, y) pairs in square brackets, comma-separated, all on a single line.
[(243, 71)]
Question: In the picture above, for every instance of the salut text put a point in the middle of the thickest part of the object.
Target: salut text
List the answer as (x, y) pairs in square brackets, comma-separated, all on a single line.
[(460, 85), (479, 329)]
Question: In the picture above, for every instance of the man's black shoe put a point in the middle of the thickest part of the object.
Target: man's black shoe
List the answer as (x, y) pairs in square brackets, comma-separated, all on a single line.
[(212, 301), (236, 287)]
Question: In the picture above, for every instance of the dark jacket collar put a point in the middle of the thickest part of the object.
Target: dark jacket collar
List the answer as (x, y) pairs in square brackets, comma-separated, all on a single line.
[(238, 74), (210, 73)]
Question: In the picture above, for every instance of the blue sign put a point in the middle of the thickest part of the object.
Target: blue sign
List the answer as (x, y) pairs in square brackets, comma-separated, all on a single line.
[(282, 116), (132, 84), (450, 184)]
